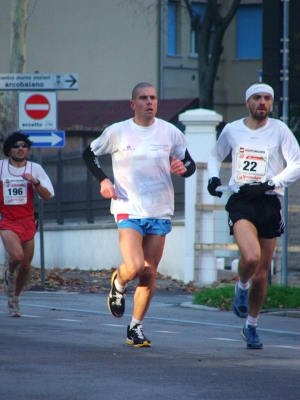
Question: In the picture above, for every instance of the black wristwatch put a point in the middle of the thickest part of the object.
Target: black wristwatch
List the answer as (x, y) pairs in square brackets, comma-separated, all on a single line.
[(37, 184)]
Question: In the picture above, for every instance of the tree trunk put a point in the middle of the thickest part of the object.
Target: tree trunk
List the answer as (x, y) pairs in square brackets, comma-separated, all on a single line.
[(17, 64), (208, 65), (210, 31)]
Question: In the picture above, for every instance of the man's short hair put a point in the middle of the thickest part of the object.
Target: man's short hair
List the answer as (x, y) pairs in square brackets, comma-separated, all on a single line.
[(16, 136), (139, 86)]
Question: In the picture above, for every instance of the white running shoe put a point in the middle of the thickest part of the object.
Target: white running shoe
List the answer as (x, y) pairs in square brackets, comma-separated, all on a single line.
[(9, 283), (13, 305)]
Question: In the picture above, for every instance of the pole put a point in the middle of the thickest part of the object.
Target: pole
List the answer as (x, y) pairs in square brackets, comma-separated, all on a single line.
[(41, 226), (161, 35), (285, 119)]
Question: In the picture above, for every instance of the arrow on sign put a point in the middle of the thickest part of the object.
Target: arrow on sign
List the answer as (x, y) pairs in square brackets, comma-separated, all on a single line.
[(73, 80), (47, 139)]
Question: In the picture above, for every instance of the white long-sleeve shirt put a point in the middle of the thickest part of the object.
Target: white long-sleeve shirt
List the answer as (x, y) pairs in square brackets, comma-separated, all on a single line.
[(257, 155)]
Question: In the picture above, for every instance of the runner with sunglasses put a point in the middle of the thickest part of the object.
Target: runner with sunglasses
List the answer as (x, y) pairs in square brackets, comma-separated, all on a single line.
[(19, 179)]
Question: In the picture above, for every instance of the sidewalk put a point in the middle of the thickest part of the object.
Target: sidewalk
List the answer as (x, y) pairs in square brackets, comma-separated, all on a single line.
[(99, 282), (93, 281)]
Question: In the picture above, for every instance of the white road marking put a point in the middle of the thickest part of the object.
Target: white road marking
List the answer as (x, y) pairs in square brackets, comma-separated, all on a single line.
[(68, 320), (226, 339), (192, 322), (288, 347)]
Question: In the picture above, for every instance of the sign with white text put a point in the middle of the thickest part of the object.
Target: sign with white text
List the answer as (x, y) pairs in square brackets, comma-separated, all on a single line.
[(38, 81)]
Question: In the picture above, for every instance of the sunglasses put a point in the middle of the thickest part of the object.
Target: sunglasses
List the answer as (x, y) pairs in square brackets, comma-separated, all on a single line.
[(18, 145)]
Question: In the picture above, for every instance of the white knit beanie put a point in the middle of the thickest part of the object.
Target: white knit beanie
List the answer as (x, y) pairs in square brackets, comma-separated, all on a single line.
[(259, 88)]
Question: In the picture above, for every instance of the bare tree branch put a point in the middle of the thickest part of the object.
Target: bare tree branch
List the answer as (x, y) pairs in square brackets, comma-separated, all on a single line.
[(209, 31)]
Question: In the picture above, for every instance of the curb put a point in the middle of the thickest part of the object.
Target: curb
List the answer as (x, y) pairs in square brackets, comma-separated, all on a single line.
[(189, 304), (282, 313), (278, 313)]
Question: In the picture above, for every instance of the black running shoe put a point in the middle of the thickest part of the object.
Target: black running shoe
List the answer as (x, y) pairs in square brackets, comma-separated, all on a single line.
[(136, 338), (116, 299)]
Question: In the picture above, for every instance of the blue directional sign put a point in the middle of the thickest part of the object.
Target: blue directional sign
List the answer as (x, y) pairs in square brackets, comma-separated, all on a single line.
[(52, 139)]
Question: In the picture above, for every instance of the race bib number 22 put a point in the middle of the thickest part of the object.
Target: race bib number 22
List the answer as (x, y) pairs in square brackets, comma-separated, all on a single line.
[(251, 165)]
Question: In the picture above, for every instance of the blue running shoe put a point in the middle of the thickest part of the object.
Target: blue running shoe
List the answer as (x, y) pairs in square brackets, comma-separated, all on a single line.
[(250, 335), (240, 302)]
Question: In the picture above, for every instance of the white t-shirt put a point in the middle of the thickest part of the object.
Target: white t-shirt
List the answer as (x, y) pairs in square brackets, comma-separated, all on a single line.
[(257, 155), (141, 166)]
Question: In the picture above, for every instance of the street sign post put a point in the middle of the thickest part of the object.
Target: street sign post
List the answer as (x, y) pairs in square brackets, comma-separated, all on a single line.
[(37, 111), (38, 81), (51, 139)]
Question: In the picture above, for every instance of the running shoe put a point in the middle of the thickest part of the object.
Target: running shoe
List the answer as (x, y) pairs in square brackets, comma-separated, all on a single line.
[(9, 283), (136, 338), (240, 302), (251, 336), (116, 299), (13, 305)]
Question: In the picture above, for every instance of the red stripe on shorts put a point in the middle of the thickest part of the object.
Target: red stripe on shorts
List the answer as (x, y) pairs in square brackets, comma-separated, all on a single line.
[(122, 216)]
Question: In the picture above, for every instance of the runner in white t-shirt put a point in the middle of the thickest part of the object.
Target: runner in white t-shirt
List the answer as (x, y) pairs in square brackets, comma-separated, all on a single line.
[(142, 197), (258, 145), (19, 180)]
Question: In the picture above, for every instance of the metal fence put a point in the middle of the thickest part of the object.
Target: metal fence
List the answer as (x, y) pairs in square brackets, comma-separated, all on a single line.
[(223, 245), (77, 196)]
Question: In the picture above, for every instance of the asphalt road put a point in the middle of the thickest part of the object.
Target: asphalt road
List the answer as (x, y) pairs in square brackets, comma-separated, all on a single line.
[(68, 346)]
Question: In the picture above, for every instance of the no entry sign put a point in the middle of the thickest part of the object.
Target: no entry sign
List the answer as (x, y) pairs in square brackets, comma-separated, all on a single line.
[(37, 111), (37, 106)]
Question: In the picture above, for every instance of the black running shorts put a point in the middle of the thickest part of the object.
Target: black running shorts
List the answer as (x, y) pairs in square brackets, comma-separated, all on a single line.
[(264, 212)]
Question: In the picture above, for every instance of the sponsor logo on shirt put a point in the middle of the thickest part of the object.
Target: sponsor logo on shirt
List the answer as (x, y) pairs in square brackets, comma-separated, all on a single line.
[(157, 147), (128, 147), (250, 177)]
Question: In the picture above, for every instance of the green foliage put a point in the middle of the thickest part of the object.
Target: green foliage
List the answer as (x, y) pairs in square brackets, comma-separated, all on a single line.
[(277, 297), (282, 297), (219, 298)]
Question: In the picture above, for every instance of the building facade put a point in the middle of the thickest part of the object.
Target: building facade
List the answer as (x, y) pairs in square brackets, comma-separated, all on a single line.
[(112, 45)]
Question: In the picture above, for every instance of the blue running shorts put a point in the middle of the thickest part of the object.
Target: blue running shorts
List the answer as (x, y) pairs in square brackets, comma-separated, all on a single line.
[(147, 225)]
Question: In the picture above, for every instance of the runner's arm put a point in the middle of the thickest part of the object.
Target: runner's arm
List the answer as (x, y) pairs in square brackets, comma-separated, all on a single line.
[(189, 164), (93, 165)]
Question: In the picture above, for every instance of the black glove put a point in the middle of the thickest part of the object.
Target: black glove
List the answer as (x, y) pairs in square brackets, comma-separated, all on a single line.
[(255, 189), (213, 183)]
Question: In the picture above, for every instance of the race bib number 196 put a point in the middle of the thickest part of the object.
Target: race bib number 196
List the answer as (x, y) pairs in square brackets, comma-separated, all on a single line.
[(15, 192)]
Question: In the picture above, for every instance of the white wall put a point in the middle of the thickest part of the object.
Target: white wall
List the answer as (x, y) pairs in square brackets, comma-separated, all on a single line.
[(96, 247)]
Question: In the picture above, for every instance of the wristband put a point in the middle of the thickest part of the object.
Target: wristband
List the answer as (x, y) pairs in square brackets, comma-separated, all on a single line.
[(37, 184)]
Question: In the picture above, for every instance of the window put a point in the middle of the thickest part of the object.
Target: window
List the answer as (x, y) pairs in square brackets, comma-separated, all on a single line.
[(249, 32), (173, 27), (198, 9)]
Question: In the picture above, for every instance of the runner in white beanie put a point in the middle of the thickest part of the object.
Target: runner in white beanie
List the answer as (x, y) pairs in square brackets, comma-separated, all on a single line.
[(259, 88), (257, 144)]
